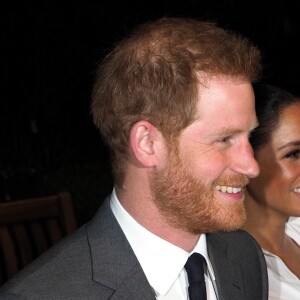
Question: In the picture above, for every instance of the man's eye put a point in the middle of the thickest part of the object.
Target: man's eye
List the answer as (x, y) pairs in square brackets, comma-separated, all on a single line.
[(225, 140)]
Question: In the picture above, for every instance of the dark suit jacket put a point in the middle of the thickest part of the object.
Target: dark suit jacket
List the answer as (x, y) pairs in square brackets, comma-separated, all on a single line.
[(97, 262)]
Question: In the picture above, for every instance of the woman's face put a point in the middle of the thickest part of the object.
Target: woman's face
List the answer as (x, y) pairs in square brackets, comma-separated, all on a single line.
[(278, 184)]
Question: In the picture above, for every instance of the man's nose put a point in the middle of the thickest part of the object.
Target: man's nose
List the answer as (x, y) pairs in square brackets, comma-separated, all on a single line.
[(245, 163)]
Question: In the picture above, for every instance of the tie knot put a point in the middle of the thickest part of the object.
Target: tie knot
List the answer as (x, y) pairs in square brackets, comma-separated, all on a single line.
[(194, 268)]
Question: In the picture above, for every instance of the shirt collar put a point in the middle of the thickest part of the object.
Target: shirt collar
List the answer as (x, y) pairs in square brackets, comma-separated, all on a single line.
[(161, 261)]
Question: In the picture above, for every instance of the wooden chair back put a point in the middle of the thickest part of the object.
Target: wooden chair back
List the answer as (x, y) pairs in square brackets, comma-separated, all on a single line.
[(29, 227)]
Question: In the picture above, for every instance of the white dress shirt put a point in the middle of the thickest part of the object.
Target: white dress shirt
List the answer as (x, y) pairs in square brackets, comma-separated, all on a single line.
[(162, 262), (283, 284)]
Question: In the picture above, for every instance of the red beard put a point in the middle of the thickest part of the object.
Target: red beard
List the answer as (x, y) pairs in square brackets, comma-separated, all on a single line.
[(187, 203)]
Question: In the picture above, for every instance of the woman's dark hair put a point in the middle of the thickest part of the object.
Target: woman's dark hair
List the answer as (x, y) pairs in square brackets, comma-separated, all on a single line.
[(270, 101)]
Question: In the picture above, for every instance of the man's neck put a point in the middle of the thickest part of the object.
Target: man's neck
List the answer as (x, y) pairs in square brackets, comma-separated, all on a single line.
[(143, 209)]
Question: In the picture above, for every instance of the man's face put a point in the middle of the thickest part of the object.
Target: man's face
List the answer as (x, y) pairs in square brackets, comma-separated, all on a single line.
[(201, 187)]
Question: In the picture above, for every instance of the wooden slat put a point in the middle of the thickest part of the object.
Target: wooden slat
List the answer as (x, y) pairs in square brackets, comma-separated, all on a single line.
[(23, 243), (38, 237), (67, 218), (9, 253), (55, 233)]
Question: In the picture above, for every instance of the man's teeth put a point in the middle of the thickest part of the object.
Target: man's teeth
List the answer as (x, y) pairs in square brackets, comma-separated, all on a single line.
[(230, 189), (296, 190)]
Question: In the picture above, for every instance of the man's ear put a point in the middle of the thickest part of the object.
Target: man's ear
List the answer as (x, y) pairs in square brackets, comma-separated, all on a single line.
[(146, 143)]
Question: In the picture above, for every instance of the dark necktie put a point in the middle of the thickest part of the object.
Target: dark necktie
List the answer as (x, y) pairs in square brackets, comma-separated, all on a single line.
[(195, 272)]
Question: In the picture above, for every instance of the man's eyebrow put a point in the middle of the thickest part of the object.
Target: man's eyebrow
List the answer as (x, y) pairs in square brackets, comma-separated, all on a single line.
[(228, 131), (232, 130)]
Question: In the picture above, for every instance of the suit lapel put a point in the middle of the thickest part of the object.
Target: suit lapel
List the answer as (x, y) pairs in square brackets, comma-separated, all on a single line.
[(135, 287), (228, 273), (113, 261)]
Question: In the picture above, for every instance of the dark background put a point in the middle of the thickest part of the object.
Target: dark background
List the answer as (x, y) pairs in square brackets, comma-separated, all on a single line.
[(50, 51)]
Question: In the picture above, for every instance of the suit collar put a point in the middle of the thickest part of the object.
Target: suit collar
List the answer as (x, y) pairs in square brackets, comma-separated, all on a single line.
[(113, 261)]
